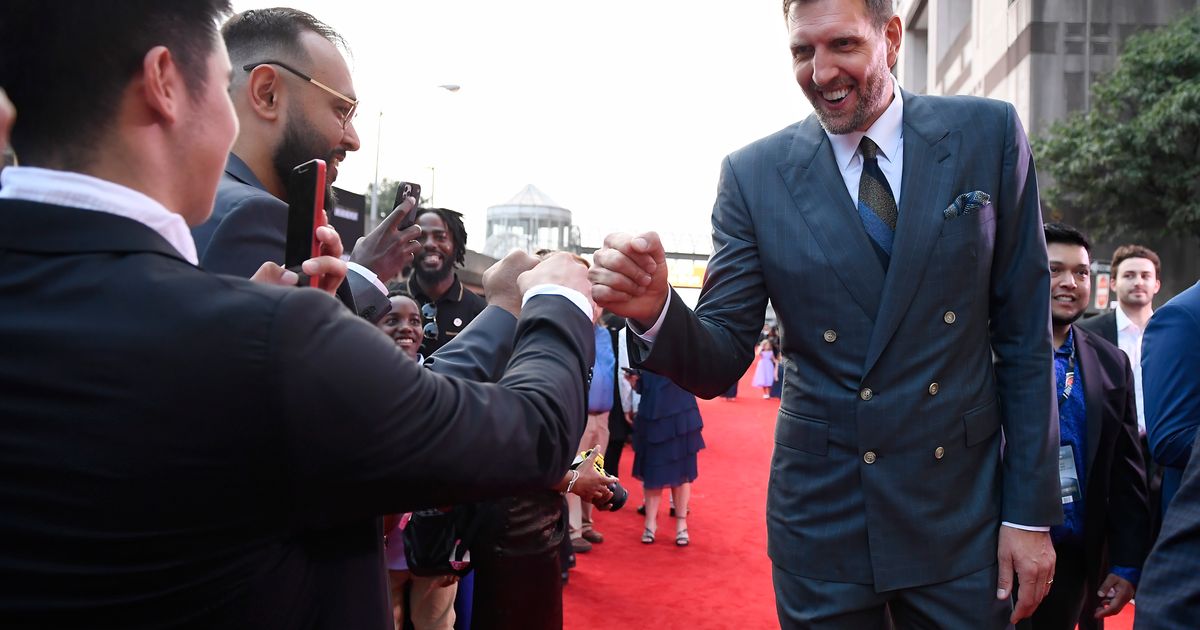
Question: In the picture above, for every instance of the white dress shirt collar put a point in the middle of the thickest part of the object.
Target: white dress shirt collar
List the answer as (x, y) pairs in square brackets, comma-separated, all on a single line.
[(1123, 320), (886, 132), (76, 190)]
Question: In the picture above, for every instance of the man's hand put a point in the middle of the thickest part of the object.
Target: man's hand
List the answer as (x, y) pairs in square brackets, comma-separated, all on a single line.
[(7, 115), (629, 277), (557, 268), (1114, 593), (1032, 555), (500, 281), (386, 251), (328, 267)]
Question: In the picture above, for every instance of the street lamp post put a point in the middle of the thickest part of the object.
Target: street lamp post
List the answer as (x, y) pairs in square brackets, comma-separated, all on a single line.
[(449, 87)]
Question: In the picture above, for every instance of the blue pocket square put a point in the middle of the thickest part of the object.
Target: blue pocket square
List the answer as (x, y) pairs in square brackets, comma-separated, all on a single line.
[(967, 203)]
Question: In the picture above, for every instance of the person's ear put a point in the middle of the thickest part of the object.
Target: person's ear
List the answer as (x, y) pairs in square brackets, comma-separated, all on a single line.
[(163, 87), (893, 31), (265, 88)]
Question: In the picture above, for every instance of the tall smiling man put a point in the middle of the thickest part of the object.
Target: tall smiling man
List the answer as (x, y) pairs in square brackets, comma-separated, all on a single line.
[(913, 223)]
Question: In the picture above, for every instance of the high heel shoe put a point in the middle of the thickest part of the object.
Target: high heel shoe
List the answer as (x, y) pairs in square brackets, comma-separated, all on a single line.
[(647, 536)]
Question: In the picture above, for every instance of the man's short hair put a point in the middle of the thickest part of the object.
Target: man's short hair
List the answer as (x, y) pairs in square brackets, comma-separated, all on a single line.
[(66, 65), (458, 231), (880, 10), (269, 32), (1125, 252), (1063, 233)]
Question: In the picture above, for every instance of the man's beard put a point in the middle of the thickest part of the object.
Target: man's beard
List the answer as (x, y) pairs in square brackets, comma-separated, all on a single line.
[(300, 145), (1067, 321), (429, 278), (867, 101)]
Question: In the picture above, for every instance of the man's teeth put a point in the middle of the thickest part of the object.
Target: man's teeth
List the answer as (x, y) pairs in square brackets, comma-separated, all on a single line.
[(1064, 298), (836, 95)]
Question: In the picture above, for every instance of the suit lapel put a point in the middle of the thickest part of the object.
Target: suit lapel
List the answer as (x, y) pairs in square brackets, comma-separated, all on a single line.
[(815, 183), (924, 192), (1093, 396)]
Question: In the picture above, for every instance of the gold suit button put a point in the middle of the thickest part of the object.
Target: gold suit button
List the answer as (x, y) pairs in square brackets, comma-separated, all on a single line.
[(933, 389), (949, 317), (866, 393), (830, 336), (869, 457), (939, 453)]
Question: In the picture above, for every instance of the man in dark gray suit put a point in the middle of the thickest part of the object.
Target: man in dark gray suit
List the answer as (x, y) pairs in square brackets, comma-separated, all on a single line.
[(294, 98), (912, 224), (192, 450), (1170, 594)]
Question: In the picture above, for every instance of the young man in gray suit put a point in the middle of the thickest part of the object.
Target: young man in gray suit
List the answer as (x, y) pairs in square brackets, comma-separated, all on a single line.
[(913, 225)]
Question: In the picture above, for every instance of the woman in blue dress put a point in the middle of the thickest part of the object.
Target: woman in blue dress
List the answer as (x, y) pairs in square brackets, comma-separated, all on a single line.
[(666, 438)]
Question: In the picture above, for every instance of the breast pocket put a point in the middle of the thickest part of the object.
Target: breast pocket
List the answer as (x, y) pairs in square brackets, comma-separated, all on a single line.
[(975, 220)]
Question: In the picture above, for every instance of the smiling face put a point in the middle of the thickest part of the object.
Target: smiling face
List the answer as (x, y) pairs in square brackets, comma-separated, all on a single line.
[(435, 261), (403, 325), (841, 61), (1070, 282), (314, 116)]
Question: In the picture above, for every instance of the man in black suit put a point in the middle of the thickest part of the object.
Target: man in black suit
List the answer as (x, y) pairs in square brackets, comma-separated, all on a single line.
[(1106, 527), (294, 99), (193, 450)]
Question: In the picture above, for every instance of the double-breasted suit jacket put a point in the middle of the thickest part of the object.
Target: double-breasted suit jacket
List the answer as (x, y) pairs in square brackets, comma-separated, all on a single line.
[(899, 383)]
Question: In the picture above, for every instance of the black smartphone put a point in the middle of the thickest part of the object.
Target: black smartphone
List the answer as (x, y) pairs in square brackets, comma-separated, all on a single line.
[(306, 212), (407, 189)]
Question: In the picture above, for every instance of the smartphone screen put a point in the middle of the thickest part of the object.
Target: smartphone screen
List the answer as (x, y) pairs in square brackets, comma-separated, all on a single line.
[(407, 189), (306, 212)]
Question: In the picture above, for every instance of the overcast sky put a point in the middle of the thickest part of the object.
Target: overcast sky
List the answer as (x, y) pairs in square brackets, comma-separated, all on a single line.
[(619, 111)]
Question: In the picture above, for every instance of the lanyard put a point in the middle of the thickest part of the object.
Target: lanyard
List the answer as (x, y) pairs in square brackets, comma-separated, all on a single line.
[(1069, 379)]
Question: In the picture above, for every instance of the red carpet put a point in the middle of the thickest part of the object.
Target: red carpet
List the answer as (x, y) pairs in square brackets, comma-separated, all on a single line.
[(723, 579)]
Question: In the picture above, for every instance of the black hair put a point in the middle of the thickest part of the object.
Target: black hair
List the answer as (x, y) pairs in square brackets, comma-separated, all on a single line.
[(1063, 233), (66, 64), (458, 231), (266, 32)]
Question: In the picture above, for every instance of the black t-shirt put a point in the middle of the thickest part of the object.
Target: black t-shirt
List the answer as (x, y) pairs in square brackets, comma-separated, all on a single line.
[(457, 308)]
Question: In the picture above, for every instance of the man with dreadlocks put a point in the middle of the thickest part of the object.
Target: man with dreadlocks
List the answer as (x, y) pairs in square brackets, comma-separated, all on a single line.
[(446, 305)]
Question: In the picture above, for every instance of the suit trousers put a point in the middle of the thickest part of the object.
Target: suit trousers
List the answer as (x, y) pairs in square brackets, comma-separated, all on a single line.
[(595, 433), (966, 602)]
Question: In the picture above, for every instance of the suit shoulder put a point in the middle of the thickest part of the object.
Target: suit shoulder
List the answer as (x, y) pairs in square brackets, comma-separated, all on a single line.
[(1099, 323), (233, 195), (773, 144)]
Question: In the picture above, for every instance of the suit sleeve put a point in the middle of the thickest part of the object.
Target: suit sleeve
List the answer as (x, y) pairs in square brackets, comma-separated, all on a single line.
[(1170, 384), (1019, 314), (1129, 502), (481, 351), (370, 432), (254, 233), (729, 314)]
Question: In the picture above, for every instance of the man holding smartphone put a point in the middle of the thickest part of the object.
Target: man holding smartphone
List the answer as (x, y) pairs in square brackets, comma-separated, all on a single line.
[(201, 451), (294, 99)]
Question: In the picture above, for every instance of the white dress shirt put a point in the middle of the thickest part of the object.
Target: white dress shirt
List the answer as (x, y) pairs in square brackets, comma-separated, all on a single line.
[(84, 192), (1129, 339), (76, 190)]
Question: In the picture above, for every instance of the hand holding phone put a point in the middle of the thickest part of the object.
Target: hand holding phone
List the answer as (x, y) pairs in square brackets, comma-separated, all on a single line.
[(306, 212), (405, 190)]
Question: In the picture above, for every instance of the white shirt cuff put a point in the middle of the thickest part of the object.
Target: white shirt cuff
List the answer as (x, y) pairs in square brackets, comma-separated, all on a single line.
[(1028, 528), (650, 335), (557, 289), (368, 274)]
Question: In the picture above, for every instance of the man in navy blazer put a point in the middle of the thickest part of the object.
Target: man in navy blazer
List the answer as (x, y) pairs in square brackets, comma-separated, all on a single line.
[(1170, 364), (295, 101), (187, 449), (899, 267), (1170, 593)]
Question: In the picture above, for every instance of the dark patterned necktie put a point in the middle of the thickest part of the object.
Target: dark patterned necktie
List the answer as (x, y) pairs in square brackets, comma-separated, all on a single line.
[(876, 204)]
